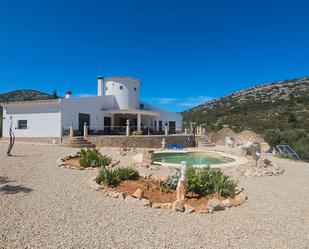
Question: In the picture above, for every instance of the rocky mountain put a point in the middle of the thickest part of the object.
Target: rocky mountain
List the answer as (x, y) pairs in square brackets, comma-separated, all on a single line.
[(282, 105), (23, 95)]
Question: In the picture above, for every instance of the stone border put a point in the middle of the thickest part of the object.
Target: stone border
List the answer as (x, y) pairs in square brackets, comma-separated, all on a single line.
[(61, 163), (213, 204)]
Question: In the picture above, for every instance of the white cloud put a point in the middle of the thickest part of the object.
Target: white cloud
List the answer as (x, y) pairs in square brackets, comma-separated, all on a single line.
[(165, 101), (194, 101), (181, 103)]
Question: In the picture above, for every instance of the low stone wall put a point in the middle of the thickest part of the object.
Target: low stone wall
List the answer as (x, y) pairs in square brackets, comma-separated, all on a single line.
[(45, 140), (142, 141)]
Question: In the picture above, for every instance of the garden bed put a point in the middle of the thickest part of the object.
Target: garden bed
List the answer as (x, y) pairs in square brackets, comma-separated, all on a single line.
[(87, 159), (153, 193)]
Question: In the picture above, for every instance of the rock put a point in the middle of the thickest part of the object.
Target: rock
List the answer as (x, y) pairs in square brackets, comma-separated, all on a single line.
[(145, 165), (122, 196), (156, 205), (239, 199), (209, 209), (113, 194), (267, 162), (131, 200), (214, 204), (164, 179), (98, 187), (147, 175), (178, 206), (166, 205), (145, 202), (189, 209), (226, 203), (238, 190), (138, 193)]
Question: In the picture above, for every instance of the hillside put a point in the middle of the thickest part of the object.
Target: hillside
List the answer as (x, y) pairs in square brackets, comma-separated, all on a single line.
[(22, 95), (283, 105)]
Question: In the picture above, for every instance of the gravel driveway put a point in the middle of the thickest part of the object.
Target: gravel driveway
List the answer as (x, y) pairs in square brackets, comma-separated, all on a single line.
[(45, 206)]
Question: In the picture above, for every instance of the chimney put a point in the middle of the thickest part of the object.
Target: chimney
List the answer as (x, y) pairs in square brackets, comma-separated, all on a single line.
[(68, 95), (100, 86)]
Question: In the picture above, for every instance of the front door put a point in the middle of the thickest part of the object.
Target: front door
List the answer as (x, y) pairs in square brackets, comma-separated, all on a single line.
[(172, 127), (107, 125), (83, 118)]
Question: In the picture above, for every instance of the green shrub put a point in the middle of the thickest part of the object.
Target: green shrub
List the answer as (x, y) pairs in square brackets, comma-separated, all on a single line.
[(108, 177), (91, 157), (127, 173), (207, 181), (273, 136), (298, 139), (222, 184), (112, 177), (137, 133), (163, 186), (282, 155)]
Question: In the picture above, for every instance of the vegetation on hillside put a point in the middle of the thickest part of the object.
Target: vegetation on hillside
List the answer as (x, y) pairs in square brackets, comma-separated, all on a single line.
[(283, 106)]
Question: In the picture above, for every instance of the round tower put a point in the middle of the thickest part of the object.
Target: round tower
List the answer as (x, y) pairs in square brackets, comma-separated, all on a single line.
[(126, 91)]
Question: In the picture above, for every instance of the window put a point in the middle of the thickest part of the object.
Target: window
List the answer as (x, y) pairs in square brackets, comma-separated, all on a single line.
[(141, 106), (121, 87), (22, 124), (106, 89), (134, 88)]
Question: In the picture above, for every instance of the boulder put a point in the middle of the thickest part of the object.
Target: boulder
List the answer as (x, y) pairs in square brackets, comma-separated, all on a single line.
[(239, 199), (214, 204), (129, 199), (238, 190), (164, 179), (145, 202), (122, 195), (156, 205), (166, 205), (178, 206), (189, 209), (226, 203), (138, 193)]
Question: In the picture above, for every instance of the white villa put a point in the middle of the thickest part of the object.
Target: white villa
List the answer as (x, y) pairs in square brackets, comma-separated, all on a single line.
[(118, 100)]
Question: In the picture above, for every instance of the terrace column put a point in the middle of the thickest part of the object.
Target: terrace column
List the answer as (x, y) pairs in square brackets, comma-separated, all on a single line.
[(166, 129), (112, 122), (85, 130), (128, 128), (71, 130), (139, 120)]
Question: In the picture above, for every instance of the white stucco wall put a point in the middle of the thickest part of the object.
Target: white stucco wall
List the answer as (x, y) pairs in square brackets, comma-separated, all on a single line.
[(43, 119), (70, 108), (129, 96), (165, 116)]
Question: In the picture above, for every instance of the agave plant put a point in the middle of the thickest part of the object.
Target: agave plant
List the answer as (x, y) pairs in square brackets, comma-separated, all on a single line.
[(112, 177), (108, 177), (127, 173), (222, 184), (92, 157)]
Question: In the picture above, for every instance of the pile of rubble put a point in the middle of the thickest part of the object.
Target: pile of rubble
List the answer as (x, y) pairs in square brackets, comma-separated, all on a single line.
[(264, 167)]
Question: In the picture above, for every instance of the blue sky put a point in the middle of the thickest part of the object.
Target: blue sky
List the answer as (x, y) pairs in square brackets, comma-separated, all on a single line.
[(185, 52)]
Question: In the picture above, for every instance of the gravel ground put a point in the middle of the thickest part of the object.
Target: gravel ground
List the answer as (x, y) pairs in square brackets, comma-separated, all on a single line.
[(45, 206)]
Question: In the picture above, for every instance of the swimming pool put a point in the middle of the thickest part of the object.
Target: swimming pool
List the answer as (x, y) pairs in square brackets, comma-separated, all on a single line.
[(194, 158)]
